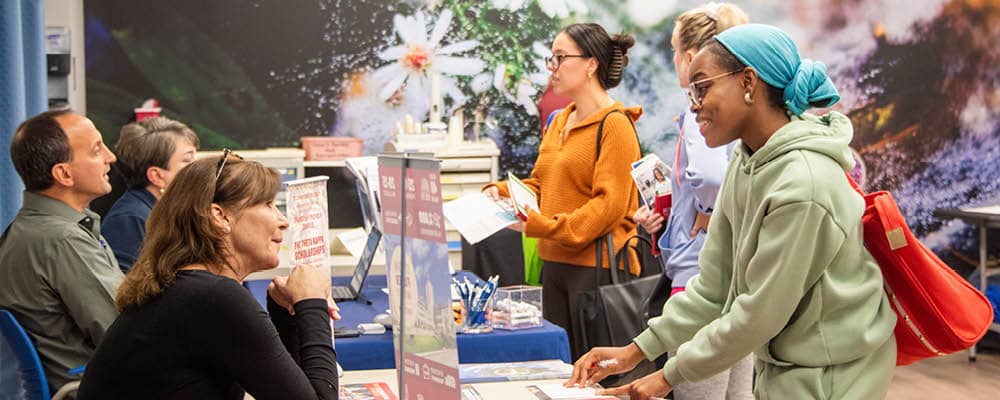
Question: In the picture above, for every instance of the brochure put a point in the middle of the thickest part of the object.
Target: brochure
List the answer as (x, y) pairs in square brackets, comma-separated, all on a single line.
[(652, 177), (514, 371), (556, 391), (307, 220), (366, 391), (524, 199), (477, 217)]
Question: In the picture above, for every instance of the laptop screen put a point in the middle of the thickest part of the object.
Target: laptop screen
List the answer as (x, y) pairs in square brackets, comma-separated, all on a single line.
[(365, 262)]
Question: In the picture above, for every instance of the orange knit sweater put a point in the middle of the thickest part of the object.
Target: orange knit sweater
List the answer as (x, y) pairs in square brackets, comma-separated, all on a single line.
[(581, 200)]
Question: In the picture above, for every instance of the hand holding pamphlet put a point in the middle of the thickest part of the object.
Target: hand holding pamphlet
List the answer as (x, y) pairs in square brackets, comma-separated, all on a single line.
[(652, 177), (524, 199), (477, 217)]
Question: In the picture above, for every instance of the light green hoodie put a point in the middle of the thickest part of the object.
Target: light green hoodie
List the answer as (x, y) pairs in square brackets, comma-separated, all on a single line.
[(784, 273)]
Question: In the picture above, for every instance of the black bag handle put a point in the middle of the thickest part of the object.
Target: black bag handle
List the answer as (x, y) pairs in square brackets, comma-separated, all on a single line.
[(608, 239), (626, 260)]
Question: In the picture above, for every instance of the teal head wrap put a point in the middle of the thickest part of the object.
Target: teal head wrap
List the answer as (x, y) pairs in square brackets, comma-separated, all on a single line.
[(776, 59)]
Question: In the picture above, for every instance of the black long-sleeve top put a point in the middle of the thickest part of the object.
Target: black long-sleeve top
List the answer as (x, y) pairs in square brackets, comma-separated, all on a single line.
[(205, 337)]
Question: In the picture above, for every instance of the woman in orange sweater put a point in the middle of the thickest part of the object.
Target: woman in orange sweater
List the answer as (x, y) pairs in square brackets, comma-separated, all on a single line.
[(582, 195)]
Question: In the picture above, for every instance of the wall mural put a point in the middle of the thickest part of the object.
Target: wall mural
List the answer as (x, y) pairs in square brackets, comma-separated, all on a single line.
[(920, 81)]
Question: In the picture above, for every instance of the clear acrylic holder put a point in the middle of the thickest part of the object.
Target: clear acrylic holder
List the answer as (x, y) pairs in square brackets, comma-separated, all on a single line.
[(517, 307)]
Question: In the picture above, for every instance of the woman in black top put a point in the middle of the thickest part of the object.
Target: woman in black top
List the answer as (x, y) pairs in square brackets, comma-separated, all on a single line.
[(188, 329)]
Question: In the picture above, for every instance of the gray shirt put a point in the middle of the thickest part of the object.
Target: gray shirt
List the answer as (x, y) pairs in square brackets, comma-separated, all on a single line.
[(58, 277)]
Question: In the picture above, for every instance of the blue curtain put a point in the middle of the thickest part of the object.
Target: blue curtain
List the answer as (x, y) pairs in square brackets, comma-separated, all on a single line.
[(22, 87)]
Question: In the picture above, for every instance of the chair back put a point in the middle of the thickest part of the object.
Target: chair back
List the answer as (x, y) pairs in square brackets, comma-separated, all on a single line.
[(21, 372)]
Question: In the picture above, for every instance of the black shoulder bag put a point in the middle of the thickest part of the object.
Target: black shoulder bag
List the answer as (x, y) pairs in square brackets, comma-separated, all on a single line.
[(613, 314)]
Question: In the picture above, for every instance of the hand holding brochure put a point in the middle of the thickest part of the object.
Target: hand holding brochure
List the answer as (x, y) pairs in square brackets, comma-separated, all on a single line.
[(652, 177), (524, 199), (477, 217)]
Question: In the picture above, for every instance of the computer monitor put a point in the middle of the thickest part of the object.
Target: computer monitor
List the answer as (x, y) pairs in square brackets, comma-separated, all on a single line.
[(342, 197)]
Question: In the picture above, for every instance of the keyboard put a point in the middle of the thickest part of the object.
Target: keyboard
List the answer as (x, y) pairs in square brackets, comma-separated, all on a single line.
[(341, 292)]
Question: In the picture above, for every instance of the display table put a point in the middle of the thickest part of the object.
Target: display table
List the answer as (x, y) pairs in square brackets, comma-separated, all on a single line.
[(548, 342), (985, 218)]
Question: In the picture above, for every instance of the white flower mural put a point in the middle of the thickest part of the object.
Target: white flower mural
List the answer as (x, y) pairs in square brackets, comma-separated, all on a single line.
[(562, 8), (523, 93), (541, 75), (526, 89), (509, 5), (419, 56), (359, 102)]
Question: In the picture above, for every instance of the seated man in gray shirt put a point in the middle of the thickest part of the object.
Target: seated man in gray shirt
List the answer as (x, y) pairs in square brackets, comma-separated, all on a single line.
[(57, 275)]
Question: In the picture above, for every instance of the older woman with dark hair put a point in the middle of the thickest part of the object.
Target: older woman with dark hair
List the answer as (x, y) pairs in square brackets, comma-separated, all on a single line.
[(150, 154), (188, 329)]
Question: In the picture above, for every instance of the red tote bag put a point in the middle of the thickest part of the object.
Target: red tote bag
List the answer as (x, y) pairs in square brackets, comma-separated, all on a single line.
[(938, 312)]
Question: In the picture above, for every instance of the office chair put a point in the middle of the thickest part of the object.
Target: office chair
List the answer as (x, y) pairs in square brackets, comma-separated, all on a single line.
[(21, 372)]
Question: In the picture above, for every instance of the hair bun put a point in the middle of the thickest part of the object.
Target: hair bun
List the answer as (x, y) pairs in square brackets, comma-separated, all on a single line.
[(810, 87), (623, 42), (620, 44)]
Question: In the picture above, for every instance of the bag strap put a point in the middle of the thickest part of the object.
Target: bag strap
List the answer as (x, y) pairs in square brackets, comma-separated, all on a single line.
[(626, 260), (895, 234), (854, 185), (608, 241), (600, 131)]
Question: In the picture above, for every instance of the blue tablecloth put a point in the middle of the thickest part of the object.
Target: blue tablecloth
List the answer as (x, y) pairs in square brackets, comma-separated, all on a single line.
[(548, 342)]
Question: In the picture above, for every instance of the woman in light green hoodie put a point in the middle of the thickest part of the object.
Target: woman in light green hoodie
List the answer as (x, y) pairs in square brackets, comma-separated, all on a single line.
[(784, 271)]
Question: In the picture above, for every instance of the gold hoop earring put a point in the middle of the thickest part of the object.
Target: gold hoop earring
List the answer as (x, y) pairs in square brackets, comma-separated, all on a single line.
[(747, 99)]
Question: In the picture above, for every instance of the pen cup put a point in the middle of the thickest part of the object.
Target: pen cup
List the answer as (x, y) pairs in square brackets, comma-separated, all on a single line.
[(477, 320)]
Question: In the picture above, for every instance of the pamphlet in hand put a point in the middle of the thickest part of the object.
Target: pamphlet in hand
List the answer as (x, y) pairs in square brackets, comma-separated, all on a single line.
[(652, 177), (524, 199), (477, 217)]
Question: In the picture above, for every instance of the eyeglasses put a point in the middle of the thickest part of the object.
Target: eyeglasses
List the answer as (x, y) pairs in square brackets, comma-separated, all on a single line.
[(553, 62), (696, 90), (222, 162)]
